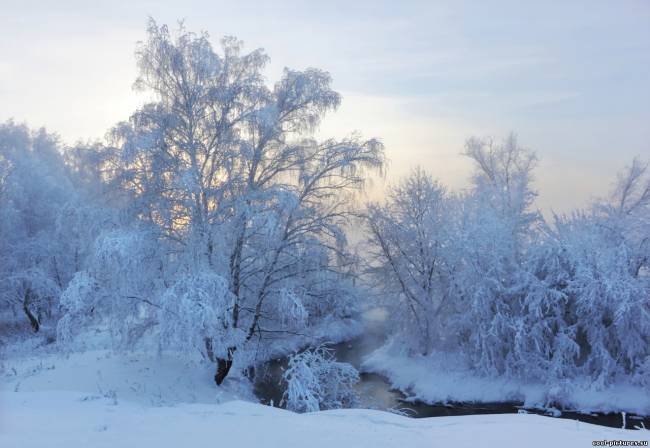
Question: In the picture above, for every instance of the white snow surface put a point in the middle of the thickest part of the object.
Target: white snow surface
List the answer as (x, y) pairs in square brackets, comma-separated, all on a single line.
[(142, 379), (64, 419), (444, 378), (100, 399)]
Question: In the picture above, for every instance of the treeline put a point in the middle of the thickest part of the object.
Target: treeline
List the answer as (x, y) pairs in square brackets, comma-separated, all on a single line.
[(485, 275), (212, 222), (209, 222)]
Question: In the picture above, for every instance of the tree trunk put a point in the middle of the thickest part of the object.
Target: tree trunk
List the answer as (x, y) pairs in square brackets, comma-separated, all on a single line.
[(209, 349), (223, 366), (33, 320)]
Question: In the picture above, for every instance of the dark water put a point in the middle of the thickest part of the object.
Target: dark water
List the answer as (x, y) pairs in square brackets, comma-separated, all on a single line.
[(375, 391)]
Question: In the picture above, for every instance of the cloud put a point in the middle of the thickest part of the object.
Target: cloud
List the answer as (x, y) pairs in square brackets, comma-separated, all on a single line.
[(570, 78)]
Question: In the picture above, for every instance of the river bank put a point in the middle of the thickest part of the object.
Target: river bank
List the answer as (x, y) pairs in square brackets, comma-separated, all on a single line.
[(397, 390)]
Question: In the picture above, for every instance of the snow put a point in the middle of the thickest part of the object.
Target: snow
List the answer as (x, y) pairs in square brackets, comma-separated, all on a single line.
[(103, 399), (136, 377), (444, 378), (483, 275), (64, 419), (213, 226)]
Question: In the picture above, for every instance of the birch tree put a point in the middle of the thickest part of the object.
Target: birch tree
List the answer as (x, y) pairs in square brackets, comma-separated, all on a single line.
[(227, 169)]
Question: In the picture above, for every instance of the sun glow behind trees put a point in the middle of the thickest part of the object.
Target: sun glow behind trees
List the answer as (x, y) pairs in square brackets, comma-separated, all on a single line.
[(229, 216), (212, 222)]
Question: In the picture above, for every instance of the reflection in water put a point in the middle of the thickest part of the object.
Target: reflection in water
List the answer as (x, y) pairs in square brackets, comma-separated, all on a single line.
[(375, 391)]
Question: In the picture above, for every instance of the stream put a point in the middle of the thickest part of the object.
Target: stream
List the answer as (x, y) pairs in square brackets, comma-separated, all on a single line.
[(375, 391)]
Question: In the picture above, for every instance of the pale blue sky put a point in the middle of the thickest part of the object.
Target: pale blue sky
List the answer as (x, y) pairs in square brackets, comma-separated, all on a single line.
[(572, 78)]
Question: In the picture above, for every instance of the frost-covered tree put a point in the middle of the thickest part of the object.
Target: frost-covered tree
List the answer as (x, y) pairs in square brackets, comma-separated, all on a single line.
[(117, 289), (316, 381), (496, 228), (516, 296), (454, 260), (34, 186), (407, 242), (589, 313), (224, 174)]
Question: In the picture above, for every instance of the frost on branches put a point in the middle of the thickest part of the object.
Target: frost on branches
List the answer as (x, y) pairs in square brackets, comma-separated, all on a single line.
[(195, 315), (212, 222), (34, 267), (483, 275), (227, 235), (316, 381)]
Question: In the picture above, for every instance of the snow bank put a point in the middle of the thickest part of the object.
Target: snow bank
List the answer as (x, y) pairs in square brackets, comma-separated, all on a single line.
[(444, 378), (99, 399), (137, 377), (142, 377), (65, 419)]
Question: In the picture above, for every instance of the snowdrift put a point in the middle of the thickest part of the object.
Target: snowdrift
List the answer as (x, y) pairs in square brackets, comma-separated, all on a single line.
[(65, 419), (444, 378), (99, 399)]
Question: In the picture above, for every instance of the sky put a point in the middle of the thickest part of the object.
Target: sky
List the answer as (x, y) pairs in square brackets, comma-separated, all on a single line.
[(570, 78)]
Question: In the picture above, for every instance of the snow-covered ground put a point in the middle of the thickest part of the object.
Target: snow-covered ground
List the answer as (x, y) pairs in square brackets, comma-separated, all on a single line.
[(441, 378), (66, 419), (137, 377), (99, 399)]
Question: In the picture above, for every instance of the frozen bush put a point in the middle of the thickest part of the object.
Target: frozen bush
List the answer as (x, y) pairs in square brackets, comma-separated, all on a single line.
[(315, 382)]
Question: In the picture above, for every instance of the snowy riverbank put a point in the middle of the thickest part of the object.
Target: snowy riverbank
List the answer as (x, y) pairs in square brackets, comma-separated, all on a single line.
[(100, 399), (441, 378)]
